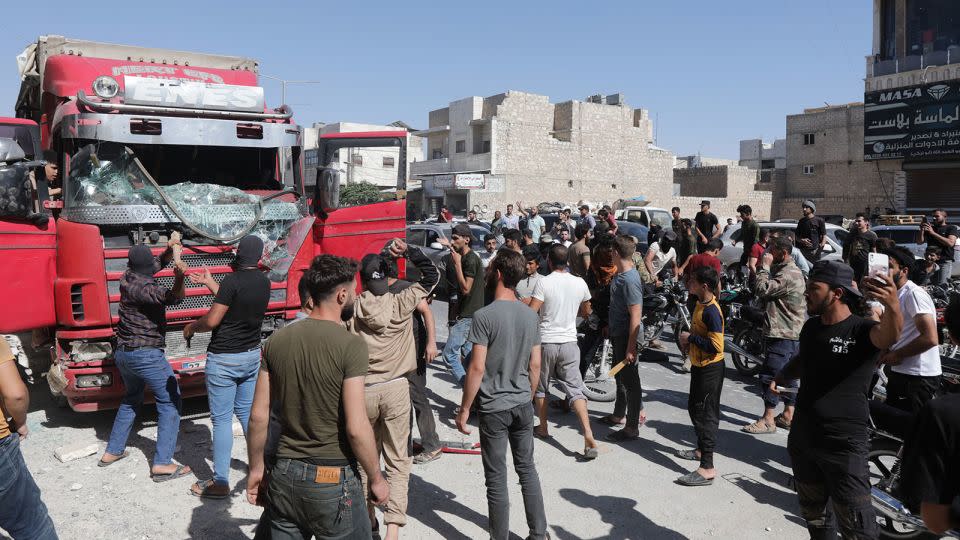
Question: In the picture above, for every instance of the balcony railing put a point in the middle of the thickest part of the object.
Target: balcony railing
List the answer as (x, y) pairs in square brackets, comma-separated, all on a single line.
[(917, 61)]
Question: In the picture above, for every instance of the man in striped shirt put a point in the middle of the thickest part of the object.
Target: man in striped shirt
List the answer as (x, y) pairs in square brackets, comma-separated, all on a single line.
[(704, 344)]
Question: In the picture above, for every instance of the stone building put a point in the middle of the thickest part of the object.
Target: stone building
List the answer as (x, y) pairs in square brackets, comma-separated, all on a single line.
[(483, 153)]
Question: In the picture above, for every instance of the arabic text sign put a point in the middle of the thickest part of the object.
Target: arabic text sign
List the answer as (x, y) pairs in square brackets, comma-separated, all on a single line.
[(192, 95), (912, 122)]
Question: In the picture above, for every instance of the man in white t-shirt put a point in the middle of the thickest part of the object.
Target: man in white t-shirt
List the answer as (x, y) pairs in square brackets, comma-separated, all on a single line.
[(662, 255), (914, 361), (524, 289), (559, 297)]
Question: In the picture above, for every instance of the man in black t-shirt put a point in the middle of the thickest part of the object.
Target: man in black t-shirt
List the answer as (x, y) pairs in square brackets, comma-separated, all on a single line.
[(828, 440), (233, 355), (944, 236), (811, 232), (858, 245), (931, 465), (708, 227)]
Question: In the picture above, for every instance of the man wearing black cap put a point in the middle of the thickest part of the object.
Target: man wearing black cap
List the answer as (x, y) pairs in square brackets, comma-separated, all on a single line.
[(141, 336), (708, 227), (233, 355), (385, 322), (811, 232), (828, 440), (465, 276)]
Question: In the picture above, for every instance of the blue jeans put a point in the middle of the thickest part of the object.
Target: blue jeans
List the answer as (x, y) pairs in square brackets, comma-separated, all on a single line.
[(231, 378), (298, 507), (457, 346), (779, 352), (141, 368), (22, 514)]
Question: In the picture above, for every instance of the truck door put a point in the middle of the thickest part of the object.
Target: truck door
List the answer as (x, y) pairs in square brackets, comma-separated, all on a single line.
[(370, 172), (28, 247)]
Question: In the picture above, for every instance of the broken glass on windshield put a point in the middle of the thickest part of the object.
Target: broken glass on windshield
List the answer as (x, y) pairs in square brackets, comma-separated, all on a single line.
[(111, 175)]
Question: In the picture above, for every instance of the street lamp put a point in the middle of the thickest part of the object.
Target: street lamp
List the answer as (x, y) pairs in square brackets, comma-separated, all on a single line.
[(284, 83)]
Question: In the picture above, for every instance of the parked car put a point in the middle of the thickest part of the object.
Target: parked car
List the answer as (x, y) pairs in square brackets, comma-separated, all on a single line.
[(644, 215), (730, 254), (427, 237), (907, 236), (640, 232)]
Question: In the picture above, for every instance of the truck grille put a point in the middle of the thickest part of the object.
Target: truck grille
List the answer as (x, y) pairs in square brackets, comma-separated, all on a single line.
[(197, 260), (177, 346)]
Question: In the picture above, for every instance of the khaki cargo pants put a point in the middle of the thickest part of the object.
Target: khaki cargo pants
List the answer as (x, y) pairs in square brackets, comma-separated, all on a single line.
[(388, 408)]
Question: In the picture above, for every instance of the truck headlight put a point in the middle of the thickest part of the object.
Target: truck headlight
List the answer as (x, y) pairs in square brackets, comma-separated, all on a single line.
[(105, 87), (93, 381)]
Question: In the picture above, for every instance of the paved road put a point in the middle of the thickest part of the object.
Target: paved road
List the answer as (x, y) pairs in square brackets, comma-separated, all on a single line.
[(629, 492)]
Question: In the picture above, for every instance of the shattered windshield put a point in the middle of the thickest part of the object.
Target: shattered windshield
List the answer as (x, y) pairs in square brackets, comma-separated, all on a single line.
[(111, 175)]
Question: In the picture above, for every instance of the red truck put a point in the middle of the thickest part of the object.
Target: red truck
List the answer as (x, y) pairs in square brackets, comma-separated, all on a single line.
[(150, 142)]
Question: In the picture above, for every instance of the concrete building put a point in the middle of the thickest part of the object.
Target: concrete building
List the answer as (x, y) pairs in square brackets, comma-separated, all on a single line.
[(899, 151), (375, 165), (483, 153), (758, 155)]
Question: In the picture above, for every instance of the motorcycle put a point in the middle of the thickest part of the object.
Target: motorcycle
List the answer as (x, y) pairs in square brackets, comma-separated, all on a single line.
[(743, 323), (667, 306), (889, 426)]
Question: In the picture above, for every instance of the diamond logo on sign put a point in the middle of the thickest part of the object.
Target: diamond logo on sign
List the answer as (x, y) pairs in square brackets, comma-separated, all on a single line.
[(938, 91)]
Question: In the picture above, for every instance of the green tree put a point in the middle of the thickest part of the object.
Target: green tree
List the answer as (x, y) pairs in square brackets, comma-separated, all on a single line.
[(359, 193)]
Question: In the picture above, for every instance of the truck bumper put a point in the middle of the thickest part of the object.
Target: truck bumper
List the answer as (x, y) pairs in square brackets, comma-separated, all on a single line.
[(188, 371)]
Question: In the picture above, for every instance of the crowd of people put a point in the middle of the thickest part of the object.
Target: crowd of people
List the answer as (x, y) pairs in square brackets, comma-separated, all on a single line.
[(328, 398)]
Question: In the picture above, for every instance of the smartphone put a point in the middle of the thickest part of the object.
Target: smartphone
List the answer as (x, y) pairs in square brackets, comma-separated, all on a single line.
[(878, 263), (786, 390)]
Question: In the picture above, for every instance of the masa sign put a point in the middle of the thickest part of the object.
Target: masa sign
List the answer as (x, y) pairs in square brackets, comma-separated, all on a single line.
[(192, 95), (913, 122)]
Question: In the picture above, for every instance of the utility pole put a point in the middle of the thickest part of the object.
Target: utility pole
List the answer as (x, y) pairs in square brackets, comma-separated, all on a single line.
[(284, 83)]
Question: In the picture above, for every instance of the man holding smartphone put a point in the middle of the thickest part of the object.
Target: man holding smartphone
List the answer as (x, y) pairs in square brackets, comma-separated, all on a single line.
[(943, 235), (828, 439)]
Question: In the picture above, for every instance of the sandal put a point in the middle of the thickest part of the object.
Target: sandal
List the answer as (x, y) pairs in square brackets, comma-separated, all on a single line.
[(781, 422), (182, 470), (694, 479), (427, 457), (208, 489), (687, 454), (621, 436), (102, 463), (608, 420), (759, 428)]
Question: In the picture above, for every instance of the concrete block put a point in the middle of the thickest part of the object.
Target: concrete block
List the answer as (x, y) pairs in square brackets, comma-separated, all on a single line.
[(76, 451)]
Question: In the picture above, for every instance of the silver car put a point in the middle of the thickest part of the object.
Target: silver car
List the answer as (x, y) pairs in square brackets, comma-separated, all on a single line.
[(730, 254)]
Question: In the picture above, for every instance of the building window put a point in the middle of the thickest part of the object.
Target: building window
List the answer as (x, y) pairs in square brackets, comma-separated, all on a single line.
[(768, 164), (357, 159), (437, 153), (808, 169), (485, 147), (809, 138), (388, 162), (569, 183), (461, 146)]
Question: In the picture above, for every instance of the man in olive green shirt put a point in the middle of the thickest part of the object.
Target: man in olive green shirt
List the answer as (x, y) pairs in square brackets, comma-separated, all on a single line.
[(313, 371), (465, 278)]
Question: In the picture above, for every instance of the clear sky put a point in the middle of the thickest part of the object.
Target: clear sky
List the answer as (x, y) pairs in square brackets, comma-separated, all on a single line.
[(711, 72)]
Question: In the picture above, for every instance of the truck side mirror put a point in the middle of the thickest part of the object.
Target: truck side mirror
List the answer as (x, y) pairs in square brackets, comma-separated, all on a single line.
[(327, 197)]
